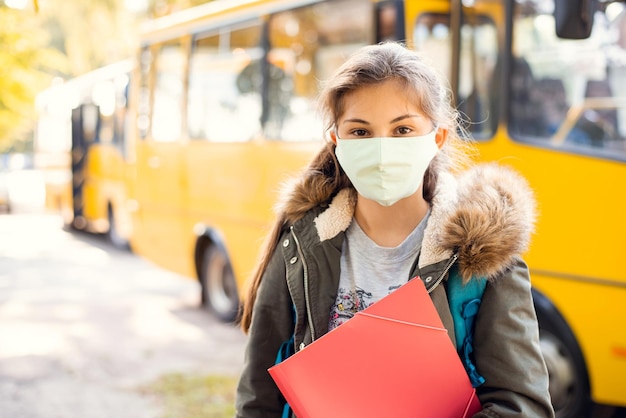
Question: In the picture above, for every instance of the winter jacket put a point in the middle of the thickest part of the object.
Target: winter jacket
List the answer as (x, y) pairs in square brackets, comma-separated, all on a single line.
[(481, 221)]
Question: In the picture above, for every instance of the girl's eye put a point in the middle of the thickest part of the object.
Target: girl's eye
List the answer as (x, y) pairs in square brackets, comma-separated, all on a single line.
[(403, 130), (359, 132)]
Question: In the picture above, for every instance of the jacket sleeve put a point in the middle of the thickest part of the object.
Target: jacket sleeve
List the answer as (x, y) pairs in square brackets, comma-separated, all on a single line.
[(507, 350), (272, 324)]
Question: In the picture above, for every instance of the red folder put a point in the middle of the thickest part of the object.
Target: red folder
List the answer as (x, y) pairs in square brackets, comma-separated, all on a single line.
[(393, 359)]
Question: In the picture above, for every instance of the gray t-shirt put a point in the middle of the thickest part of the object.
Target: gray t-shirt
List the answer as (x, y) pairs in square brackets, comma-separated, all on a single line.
[(370, 272)]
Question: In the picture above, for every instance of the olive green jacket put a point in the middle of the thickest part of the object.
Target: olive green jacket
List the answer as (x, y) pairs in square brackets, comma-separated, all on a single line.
[(481, 221)]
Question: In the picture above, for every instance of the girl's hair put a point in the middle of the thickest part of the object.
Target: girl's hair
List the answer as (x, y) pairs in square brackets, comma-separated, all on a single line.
[(323, 178)]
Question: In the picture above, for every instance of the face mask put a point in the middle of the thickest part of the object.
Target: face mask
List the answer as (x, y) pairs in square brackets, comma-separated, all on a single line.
[(387, 169)]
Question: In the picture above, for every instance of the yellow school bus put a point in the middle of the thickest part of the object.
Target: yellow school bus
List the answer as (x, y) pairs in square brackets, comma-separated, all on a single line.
[(81, 149), (222, 111)]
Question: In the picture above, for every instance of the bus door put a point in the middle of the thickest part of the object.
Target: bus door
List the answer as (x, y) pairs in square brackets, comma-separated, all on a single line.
[(84, 127), (159, 176)]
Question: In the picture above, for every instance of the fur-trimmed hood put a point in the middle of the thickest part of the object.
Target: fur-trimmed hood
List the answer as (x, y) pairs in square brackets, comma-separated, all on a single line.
[(486, 215)]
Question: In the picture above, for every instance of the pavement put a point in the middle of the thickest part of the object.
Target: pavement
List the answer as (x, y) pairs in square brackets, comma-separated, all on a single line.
[(84, 326)]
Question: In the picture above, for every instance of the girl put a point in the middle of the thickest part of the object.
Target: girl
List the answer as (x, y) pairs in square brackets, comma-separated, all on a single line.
[(387, 199)]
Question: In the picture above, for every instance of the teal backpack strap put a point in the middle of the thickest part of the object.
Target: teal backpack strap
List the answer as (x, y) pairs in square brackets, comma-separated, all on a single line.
[(287, 350), (464, 300)]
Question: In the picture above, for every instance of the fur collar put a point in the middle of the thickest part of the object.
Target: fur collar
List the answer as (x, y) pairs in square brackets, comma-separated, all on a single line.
[(486, 215)]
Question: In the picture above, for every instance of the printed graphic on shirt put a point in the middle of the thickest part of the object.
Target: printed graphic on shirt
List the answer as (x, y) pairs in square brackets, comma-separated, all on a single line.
[(349, 302)]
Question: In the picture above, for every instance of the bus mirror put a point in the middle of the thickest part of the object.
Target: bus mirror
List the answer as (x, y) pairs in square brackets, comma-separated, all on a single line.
[(573, 18)]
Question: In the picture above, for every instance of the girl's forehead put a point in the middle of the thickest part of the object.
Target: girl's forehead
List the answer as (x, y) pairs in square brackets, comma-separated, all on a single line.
[(387, 97)]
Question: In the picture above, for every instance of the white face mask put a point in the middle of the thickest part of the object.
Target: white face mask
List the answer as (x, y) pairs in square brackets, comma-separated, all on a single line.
[(387, 169)]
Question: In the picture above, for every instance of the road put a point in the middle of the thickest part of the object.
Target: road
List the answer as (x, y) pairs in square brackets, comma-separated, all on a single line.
[(83, 325)]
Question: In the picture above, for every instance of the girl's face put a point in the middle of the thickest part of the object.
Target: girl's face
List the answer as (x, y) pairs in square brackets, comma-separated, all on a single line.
[(382, 110)]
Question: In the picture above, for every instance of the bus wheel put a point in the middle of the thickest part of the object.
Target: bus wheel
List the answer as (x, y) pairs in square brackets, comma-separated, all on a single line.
[(219, 290), (113, 234), (569, 383)]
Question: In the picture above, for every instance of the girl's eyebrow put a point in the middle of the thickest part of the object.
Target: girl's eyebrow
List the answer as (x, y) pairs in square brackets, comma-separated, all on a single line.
[(356, 120), (394, 120), (407, 116)]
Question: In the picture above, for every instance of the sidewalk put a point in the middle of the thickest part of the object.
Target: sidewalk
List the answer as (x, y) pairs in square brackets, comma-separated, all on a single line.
[(83, 326)]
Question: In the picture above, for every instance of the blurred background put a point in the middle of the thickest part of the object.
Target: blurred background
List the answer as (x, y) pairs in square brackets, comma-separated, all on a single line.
[(143, 144), (47, 42)]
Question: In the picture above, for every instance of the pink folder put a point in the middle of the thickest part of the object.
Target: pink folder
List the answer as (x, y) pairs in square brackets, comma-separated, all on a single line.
[(393, 359)]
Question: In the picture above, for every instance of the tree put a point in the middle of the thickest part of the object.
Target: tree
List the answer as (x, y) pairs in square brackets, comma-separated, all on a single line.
[(91, 33), (64, 38), (26, 65), (94, 33)]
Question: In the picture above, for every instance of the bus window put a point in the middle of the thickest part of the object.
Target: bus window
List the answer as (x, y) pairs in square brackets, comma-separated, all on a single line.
[(390, 21), (569, 94), (225, 85), (167, 107), (478, 89), (307, 45), (431, 35), (120, 116), (103, 96), (479, 85)]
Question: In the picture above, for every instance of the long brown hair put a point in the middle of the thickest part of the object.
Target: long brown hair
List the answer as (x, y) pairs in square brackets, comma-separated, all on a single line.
[(323, 178)]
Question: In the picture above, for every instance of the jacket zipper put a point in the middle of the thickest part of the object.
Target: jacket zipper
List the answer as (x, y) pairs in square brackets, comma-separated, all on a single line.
[(306, 285), (452, 260)]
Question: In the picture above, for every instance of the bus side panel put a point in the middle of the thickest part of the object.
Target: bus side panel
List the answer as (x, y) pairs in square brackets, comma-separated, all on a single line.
[(158, 232), (241, 212), (581, 230), (104, 184)]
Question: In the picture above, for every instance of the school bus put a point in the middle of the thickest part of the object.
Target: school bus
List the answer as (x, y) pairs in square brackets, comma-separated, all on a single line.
[(222, 110), (81, 149)]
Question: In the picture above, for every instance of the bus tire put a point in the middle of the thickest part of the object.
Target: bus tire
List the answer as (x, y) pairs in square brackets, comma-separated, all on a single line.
[(219, 289), (569, 381), (113, 235)]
